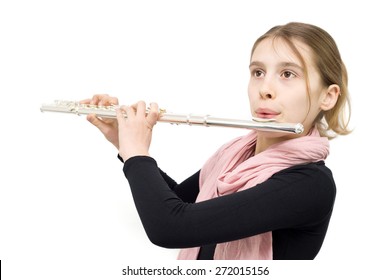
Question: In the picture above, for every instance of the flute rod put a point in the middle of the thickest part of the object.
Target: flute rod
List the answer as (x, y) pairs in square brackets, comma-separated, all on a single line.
[(189, 119)]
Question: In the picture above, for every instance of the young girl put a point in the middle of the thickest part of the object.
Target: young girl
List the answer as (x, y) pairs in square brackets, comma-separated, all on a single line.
[(265, 195)]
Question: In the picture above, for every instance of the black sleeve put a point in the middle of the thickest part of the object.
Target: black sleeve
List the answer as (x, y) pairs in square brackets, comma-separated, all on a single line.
[(286, 200), (187, 190)]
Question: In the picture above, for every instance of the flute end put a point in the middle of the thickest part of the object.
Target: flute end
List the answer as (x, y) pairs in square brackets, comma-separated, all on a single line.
[(299, 129)]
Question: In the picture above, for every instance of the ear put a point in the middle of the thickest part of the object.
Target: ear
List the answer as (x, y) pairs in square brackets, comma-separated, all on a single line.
[(329, 97)]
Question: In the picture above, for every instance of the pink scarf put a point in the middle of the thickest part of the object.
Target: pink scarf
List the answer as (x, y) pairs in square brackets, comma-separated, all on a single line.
[(233, 168)]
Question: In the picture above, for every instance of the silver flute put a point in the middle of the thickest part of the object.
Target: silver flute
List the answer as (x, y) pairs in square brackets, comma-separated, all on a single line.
[(73, 107)]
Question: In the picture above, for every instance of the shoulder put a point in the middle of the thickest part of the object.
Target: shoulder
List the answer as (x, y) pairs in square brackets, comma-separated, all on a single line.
[(308, 186), (311, 172)]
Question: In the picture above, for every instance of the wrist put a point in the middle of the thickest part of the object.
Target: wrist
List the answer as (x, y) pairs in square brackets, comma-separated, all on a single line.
[(126, 155)]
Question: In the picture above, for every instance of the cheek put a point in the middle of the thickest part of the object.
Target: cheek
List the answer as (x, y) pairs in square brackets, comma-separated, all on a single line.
[(251, 94), (296, 108)]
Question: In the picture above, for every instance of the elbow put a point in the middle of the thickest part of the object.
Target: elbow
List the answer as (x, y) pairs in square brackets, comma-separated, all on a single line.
[(168, 229), (169, 234), (162, 239)]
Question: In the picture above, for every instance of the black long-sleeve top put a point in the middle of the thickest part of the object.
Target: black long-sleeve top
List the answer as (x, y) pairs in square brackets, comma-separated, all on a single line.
[(295, 204)]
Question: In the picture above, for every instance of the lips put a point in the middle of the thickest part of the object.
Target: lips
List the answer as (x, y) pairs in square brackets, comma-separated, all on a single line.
[(265, 113)]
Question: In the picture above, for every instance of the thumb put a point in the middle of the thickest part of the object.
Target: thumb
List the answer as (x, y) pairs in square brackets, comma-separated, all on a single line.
[(96, 121)]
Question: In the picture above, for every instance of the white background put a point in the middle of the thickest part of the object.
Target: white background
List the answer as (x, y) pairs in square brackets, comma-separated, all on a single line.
[(66, 211)]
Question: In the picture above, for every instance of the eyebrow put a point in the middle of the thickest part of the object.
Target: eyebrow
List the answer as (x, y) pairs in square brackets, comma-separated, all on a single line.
[(283, 64)]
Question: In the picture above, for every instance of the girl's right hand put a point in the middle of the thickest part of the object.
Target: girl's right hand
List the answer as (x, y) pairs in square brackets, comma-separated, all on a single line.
[(109, 127)]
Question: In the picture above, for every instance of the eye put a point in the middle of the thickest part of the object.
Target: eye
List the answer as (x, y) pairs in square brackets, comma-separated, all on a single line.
[(288, 75), (257, 73)]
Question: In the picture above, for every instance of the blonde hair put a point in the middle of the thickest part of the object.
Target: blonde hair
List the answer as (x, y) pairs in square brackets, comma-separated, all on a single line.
[(330, 66)]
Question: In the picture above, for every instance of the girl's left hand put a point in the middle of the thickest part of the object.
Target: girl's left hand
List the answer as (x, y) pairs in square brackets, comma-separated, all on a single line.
[(135, 127)]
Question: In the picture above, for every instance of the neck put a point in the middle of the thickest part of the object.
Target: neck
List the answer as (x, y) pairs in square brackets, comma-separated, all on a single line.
[(263, 143), (264, 140)]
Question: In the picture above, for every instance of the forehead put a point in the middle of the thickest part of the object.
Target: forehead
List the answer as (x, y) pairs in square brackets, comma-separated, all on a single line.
[(278, 48)]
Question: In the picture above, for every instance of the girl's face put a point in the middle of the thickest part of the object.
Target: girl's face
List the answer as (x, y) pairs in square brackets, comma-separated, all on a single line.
[(277, 86)]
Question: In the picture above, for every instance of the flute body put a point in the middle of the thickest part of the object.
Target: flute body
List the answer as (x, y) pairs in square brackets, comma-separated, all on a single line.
[(62, 106)]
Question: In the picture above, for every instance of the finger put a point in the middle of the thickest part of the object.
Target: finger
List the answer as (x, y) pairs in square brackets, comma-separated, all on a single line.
[(128, 112), (103, 99), (85, 101), (107, 100), (96, 98), (141, 109), (96, 121), (153, 114), (120, 115)]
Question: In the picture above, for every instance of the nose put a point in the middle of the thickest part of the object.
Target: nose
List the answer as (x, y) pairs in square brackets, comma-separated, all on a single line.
[(266, 88), (266, 94)]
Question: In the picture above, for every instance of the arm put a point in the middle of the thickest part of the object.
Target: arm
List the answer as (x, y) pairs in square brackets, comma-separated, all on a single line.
[(187, 190), (283, 201)]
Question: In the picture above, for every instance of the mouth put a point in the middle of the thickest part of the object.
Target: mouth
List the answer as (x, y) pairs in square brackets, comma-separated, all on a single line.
[(264, 113)]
